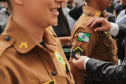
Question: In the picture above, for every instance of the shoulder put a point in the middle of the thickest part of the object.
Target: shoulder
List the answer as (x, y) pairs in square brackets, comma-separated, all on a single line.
[(5, 42)]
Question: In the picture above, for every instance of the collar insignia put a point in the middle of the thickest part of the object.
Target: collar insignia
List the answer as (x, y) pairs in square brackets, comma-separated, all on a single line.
[(23, 44)]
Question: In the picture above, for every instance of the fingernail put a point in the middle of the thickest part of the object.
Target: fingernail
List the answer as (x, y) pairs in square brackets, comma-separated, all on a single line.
[(95, 30)]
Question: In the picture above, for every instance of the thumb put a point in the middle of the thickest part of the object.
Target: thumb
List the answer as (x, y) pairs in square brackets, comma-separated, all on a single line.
[(73, 61), (78, 57)]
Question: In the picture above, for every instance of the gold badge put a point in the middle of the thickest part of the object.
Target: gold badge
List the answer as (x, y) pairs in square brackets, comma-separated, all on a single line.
[(23, 44), (50, 82), (96, 14), (51, 28), (105, 35), (59, 58)]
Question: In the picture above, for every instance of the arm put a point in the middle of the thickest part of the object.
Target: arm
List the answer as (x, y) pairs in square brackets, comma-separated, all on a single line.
[(117, 30), (83, 43), (114, 74), (64, 40), (107, 72), (122, 31)]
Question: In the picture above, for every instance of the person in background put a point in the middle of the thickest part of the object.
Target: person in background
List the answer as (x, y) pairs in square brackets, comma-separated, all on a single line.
[(77, 11), (4, 15), (70, 20), (105, 71), (29, 53), (0, 5), (121, 19), (119, 6), (85, 41), (71, 3)]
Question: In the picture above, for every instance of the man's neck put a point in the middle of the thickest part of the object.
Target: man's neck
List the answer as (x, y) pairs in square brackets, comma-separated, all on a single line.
[(96, 7)]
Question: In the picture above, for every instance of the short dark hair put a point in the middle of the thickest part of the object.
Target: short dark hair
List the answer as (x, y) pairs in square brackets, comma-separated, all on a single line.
[(9, 4)]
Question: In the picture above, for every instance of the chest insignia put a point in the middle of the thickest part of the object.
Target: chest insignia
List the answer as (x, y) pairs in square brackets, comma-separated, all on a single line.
[(23, 44), (96, 14), (59, 58), (78, 50), (105, 35)]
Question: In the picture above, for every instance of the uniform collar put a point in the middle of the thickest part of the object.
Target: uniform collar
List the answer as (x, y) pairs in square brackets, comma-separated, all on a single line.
[(94, 12), (23, 41)]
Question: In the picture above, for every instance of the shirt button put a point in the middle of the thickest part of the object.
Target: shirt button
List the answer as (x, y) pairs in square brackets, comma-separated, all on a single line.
[(54, 73), (7, 38), (89, 14)]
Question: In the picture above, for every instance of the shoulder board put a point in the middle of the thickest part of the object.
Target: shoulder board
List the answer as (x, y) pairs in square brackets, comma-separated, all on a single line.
[(5, 42)]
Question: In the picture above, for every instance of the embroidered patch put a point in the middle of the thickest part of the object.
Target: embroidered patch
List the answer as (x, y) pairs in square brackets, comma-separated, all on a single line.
[(23, 44), (59, 58), (78, 50), (82, 36), (50, 82)]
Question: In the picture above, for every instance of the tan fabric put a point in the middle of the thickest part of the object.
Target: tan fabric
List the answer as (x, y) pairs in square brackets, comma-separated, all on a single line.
[(98, 47), (52, 31), (24, 61)]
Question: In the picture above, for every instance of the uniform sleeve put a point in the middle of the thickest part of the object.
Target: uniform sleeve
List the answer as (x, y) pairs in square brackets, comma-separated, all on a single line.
[(84, 42), (109, 73)]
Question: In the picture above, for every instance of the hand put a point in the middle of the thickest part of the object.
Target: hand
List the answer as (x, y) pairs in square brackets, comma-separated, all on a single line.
[(105, 25), (79, 61)]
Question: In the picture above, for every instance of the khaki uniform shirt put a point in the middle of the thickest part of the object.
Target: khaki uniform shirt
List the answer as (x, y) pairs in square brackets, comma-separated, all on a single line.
[(24, 61), (84, 41), (51, 30)]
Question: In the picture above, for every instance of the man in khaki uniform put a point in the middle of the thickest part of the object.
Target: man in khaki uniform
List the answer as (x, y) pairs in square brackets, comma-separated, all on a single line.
[(23, 59), (85, 41)]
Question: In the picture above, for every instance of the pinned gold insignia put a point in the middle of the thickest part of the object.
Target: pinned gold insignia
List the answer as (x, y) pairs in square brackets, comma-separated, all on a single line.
[(51, 27), (78, 50), (105, 35), (59, 58), (50, 82), (96, 14), (23, 44)]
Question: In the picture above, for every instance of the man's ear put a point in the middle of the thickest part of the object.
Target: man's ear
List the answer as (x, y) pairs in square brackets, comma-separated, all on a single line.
[(18, 1)]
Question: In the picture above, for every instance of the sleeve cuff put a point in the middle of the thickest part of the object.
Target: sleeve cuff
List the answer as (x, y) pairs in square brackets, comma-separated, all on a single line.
[(114, 29), (85, 63)]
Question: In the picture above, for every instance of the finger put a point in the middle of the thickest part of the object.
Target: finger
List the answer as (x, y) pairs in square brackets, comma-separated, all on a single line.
[(99, 29), (96, 21), (73, 61), (91, 21), (92, 18), (78, 57)]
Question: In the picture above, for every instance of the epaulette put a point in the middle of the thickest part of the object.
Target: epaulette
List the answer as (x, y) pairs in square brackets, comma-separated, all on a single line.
[(5, 42)]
